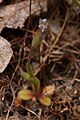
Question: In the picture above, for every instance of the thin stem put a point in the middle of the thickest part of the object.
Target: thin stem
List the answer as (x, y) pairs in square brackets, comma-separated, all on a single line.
[(30, 8), (77, 2)]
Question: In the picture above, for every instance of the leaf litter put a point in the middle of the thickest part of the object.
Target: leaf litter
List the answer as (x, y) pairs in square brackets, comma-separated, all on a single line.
[(14, 16), (57, 62), (5, 53)]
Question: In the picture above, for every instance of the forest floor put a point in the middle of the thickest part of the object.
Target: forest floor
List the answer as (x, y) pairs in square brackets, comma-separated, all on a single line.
[(56, 61)]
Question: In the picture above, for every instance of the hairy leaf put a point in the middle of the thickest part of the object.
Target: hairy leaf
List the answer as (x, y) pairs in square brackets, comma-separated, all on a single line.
[(25, 94), (45, 100)]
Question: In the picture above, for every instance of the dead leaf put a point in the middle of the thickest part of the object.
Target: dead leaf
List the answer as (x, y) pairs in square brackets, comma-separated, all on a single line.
[(5, 53), (13, 16), (1, 1), (49, 90)]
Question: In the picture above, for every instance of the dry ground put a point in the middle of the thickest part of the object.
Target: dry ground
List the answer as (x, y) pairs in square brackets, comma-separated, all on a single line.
[(56, 61)]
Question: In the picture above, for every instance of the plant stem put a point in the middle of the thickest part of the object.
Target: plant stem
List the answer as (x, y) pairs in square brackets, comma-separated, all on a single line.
[(76, 2)]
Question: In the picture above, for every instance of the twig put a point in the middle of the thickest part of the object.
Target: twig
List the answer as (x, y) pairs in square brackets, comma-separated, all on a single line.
[(11, 103), (30, 111), (77, 2), (17, 64), (11, 85), (30, 8)]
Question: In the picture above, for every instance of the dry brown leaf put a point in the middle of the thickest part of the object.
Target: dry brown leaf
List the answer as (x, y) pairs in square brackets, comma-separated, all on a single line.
[(5, 53), (13, 16), (49, 90), (1, 1)]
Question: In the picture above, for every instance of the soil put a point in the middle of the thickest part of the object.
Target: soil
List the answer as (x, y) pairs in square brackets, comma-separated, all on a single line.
[(56, 61)]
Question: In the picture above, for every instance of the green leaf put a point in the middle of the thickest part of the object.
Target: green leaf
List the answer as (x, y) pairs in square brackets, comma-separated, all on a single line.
[(30, 70), (45, 100), (35, 83), (25, 75), (33, 80), (25, 94), (36, 40)]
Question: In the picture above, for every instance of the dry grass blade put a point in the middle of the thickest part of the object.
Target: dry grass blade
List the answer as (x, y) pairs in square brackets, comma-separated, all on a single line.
[(30, 111)]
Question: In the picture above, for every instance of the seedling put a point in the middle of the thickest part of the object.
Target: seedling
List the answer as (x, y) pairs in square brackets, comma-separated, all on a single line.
[(42, 95)]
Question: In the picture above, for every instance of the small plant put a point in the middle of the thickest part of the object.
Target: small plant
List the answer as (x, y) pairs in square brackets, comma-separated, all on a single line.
[(42, 95)]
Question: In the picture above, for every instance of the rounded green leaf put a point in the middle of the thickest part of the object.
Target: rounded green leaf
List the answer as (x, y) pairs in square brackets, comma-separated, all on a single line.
[(45, 100), (25, 94)]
